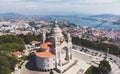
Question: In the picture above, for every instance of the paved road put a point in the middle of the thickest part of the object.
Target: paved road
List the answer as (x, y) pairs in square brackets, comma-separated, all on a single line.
[(27, 68), (112, 58)]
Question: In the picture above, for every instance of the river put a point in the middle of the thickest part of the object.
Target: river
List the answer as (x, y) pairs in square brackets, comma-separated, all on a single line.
[(90, 23)]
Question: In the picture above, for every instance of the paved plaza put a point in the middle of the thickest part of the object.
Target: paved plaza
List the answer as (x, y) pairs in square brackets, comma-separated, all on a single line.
[(79, 67), (84, 61)]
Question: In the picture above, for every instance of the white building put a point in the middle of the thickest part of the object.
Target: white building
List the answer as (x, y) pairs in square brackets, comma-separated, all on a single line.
[(55, 51)]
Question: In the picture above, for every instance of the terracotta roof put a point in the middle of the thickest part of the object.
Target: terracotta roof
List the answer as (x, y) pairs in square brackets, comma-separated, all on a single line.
[(61, 43), (46, 45), (16, 53), (44, 54), (34, 42), (49, 43), (107, 42)]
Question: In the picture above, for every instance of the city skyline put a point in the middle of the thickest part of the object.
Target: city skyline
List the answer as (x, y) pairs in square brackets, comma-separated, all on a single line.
[(61, 7)]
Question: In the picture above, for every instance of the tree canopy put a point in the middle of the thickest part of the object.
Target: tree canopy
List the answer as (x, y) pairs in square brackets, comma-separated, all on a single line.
[(7, 64), (113, 49), (9, 43), (30, 37), (104, 67)]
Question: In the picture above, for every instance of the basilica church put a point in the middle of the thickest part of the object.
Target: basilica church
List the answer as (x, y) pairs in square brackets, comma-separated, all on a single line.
[(55, 51)]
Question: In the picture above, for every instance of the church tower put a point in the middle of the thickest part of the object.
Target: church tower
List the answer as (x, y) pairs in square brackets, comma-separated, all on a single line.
[(43, 37), (56, 52)]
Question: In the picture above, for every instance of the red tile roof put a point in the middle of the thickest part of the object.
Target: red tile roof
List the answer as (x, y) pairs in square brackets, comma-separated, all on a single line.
[(46, 45), (35, 42), (61, 43), (44, 54), (16, 53)]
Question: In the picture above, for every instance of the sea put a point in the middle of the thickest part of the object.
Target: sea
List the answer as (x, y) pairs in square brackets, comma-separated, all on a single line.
[(90, 23)]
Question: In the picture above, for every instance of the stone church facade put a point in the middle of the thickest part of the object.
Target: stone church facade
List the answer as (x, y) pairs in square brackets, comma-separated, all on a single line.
[(55, 50)]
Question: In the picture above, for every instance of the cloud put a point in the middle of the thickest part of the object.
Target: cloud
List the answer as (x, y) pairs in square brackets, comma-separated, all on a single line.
[(60, 6), (51, 0), (98, 1), (9, 1), (31, 6)]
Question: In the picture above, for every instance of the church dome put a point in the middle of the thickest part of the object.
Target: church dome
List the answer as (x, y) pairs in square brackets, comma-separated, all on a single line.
[(56, 30)]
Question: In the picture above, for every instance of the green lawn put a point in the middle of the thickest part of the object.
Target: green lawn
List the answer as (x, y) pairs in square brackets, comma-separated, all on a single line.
[(92, 70), (89, 70)]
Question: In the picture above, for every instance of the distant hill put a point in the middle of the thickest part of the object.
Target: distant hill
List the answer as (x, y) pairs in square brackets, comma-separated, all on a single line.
[(106, 15), (10, 15)]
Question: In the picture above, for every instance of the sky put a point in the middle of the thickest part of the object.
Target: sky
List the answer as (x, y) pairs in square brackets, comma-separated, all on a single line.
[(61, 7)]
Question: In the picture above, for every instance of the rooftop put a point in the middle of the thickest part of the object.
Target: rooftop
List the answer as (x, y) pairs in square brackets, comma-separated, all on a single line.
[(34, 42), (44, 54), (16, 53), (46, 45)]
